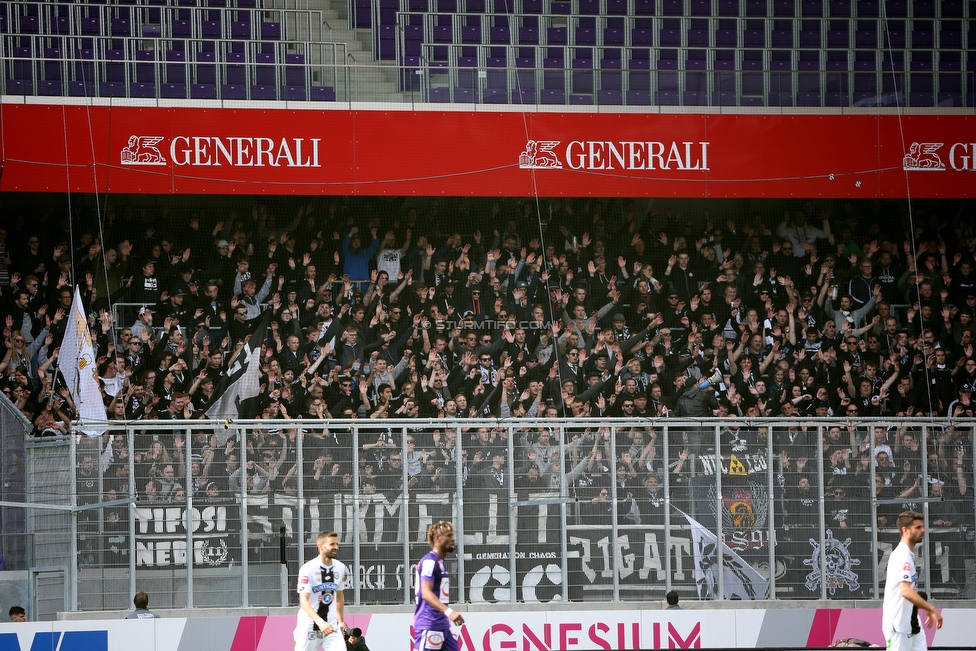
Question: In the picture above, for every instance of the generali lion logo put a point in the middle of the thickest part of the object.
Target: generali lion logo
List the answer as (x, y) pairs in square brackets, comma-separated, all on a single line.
[(539, 154), (923, 157), (142, 150)]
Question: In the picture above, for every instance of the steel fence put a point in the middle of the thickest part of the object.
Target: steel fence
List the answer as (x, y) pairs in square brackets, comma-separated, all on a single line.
[(545, 510)]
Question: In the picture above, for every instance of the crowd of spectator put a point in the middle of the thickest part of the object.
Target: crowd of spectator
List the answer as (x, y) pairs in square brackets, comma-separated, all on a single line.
[(564, 308)]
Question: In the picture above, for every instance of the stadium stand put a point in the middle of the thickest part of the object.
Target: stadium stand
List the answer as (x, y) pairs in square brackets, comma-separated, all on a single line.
[(789, 53)]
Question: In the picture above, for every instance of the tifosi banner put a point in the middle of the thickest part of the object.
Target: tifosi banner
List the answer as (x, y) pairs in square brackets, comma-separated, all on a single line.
[(128, 149)]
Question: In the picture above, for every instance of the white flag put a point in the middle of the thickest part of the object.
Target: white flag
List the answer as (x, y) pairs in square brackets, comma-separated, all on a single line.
[(78, 365), (740, 579), (243, 379)]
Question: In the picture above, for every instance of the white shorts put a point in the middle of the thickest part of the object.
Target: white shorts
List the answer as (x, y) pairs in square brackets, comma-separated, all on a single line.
[(906, 641), (310, 638)]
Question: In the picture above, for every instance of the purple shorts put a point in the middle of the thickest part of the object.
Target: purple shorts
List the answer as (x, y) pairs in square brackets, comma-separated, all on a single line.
[(431, 640)]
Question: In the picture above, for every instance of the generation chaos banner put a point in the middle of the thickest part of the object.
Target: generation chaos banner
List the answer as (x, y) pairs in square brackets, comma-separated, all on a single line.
[(130, 149)]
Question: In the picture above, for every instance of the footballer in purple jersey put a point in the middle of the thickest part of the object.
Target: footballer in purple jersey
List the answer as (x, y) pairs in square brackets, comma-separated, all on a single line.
[(433, 616)]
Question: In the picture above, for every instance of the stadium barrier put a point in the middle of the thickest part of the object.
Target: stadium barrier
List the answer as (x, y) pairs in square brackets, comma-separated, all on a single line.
[(518, 542), (553, 627)]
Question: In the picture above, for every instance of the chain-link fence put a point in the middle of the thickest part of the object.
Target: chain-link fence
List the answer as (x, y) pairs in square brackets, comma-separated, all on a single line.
[(545, 511)]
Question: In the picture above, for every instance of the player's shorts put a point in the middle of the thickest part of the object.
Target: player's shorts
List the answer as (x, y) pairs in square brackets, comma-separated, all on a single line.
[(309, 638), (431, 640), (905, 641), (919, 643)]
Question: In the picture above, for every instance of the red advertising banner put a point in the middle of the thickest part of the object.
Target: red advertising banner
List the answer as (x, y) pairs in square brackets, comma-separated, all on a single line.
[(127, 149)]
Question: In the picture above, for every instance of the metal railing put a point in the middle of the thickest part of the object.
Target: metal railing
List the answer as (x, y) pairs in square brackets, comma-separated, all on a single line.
[(519, 540), (166, 68)]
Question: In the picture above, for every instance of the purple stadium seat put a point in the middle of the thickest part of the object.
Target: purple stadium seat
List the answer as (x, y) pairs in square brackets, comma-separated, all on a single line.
[(263, 92), (585, 36), (782, 38), (111, 89), (581, 100), (868, 8), (616, 7), (638, 97), (728, 7), (896, 8), (322, 94), (471, 34), (698, 38), (556, 36), (644, 7), (439, 95), (810, 35), (50, 87), (140, 89), (29, 23), (500, 35), (271, 31), (754, 36), (528, 35), (756, 8), (91, 25), (610, 98), (726, 37), (784, 8), (839, 36), (589, 8), (640, 37), (552, 96), (672, 7), (894, 36), (241, 29), (923, 35), (233, 91), (211, 29), (172, 91), (840, 8), (812, 8)]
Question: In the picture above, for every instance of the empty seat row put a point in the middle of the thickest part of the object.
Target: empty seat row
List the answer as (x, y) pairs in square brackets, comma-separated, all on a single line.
[(489, 56), (700, 89), (170, 68), (725, 8), (150, 21), (676, 32)]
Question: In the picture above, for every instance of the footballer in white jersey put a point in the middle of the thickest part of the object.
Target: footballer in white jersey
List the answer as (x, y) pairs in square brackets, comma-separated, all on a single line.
[(901, 583), (321, 617)]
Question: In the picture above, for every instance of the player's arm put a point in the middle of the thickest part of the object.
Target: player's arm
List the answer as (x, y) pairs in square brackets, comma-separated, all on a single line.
[(427, 594), (912, 596), (305, 599), (340, 604)]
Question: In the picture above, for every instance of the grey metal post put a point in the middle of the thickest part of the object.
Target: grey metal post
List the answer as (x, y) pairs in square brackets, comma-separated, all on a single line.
[(564, 496), (458, 511), (666, 434), (874, 523), (300, 461), (72, 575), (719, 505), (770, 487), (823, 512), (245, 584), (613, 513), (925, 509), (188, 515), (356, 496), (405, 516), (512, 511), (131, 443)]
